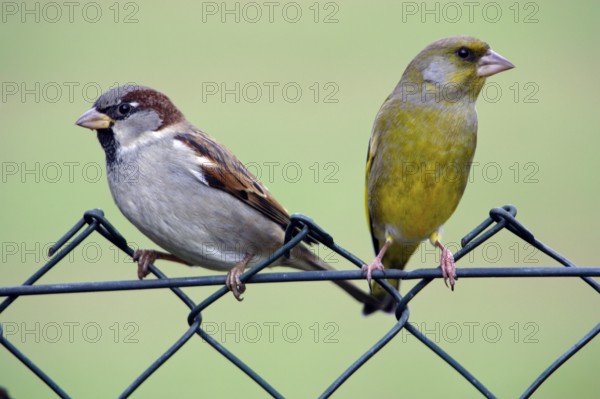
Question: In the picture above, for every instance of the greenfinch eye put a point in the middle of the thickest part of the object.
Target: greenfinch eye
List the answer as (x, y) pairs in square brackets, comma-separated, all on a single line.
[(464, 53)]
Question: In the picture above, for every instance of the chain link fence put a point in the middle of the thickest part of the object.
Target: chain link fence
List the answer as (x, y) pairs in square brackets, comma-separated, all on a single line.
[(503, 218)]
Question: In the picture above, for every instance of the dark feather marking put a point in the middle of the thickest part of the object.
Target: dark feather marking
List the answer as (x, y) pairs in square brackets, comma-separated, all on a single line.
[(214, 182), (369, 164), (258, 187), (107, 140)]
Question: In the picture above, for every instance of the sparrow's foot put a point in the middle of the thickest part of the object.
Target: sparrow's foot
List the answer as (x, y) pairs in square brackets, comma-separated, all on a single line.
[(233, 281), (368, 269), (146, 257), (447, 265)]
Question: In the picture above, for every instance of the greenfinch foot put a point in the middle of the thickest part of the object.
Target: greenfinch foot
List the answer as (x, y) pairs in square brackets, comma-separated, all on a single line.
[(376, 264), (447, 265)]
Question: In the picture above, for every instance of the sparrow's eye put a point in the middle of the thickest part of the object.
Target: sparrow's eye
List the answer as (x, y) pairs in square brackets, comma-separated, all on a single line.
[(124, 108), (463, 53)]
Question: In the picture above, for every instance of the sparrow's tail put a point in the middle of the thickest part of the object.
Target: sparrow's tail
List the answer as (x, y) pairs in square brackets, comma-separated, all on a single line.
[(302, 258)]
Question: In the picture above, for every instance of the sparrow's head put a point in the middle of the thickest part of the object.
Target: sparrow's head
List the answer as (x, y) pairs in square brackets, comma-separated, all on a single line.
[(456, 62), (129, 113)]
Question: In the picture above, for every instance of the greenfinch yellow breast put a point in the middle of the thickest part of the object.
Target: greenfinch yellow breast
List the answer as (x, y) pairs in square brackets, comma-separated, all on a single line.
[(420, 153)]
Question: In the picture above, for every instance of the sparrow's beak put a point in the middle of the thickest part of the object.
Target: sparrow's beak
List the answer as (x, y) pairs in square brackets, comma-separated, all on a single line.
[(93, 119), (491, 63)]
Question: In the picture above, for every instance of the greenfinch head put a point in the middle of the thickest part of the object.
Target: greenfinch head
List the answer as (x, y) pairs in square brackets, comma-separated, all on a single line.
[(450, 70)]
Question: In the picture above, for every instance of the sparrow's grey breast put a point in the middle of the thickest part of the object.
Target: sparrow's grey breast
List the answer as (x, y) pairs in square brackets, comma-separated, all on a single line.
[(158, 187)]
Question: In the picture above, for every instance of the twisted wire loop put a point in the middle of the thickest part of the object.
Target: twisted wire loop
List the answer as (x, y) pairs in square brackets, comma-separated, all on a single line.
[(299, 228)]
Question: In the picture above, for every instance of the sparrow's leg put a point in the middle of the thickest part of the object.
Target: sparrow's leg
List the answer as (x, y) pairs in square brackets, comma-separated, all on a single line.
[(447, 265), (376, 264), (145, 257), (233, 282)]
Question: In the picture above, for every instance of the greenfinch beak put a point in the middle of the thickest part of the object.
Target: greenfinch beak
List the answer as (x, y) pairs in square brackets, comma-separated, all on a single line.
[(491, 63), (93, 119)]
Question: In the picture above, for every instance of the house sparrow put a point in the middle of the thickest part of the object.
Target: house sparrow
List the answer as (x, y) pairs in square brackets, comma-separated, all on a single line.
[(420, 152), (187, 193)]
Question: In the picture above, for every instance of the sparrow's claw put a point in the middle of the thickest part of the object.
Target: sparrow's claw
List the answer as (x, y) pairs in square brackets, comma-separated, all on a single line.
[(368, 269), (233, 281), (448, 268), (234, 284), (144, 259)]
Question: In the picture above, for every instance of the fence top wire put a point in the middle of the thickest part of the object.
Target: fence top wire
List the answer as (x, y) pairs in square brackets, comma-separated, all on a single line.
[(300, 226)]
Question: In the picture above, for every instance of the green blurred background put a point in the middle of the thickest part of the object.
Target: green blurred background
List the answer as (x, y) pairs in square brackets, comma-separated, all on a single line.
[(537, 149)]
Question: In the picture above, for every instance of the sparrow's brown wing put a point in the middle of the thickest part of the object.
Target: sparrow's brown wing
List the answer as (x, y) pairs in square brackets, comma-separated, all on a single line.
[(220, 169)]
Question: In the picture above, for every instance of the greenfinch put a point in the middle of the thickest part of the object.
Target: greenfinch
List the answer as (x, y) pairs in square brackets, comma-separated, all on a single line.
[(420, 153)]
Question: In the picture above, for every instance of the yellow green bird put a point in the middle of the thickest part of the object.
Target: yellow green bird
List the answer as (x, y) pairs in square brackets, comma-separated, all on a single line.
[(420, 152)]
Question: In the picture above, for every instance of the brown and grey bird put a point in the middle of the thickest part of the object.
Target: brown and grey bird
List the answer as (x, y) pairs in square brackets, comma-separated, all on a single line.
[(187, 193)]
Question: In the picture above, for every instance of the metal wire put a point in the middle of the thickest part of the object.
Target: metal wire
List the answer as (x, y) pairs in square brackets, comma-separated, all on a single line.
[(301, 227)]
